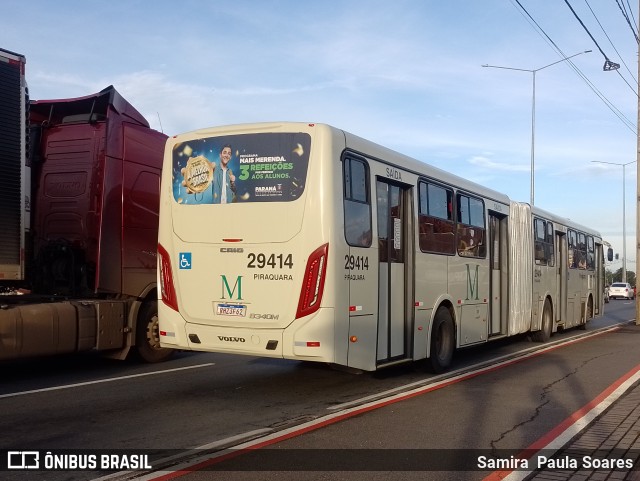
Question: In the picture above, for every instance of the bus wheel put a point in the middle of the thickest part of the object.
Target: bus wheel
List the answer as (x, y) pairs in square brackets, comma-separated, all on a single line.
[(442, 341), (147, 337), (544, 334), (588, 315)]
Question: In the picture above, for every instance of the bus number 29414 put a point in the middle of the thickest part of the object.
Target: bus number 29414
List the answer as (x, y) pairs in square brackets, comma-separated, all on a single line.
[(274, 261), (356, 263)]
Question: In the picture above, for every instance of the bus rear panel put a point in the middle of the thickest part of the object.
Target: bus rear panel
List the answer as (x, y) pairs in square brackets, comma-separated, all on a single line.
[(243, 255)]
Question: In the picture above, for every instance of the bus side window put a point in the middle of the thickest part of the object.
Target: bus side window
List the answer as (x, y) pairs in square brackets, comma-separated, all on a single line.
[(543, 239), (574, 252), (539, 232), (549, 245), (471, 227), (435, 219), (591, 253), (582, 248), (357, 203)]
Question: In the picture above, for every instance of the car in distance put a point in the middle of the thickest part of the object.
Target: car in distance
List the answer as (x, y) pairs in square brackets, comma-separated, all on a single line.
[(621, 289)]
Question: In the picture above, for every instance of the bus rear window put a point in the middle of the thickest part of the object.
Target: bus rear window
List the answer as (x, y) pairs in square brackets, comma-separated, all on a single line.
[(266, 167)]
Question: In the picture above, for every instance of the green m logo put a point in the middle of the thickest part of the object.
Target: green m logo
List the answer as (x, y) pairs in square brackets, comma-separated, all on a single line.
[(226, 289), (472, 284)]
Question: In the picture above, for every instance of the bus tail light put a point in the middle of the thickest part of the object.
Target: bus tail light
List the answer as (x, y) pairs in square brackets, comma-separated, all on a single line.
[(313, 282), (166, 280)]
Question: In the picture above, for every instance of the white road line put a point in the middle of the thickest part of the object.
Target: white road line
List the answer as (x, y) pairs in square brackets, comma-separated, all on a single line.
[(221, 443), (345, 413), (474, 368), (348, 410), (558, 442), (100, 381)]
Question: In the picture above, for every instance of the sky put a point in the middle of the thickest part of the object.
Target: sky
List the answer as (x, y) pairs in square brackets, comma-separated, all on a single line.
[(407, 74)]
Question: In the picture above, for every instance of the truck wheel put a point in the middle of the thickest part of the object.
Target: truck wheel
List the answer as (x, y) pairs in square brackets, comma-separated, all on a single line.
[(147, 337), (442, 341), (544, 334)]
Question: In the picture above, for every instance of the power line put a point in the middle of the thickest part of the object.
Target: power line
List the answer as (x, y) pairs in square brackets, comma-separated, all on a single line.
[(628, 123), (635, 23), (614, 47), (625, 14), (608, 64)]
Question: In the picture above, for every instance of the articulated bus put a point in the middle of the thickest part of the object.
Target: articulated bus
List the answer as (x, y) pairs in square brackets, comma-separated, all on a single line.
[(302, 241)]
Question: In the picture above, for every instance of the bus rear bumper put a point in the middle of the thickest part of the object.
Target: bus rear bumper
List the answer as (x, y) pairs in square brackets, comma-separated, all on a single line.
[(176, 333), (309, 338)]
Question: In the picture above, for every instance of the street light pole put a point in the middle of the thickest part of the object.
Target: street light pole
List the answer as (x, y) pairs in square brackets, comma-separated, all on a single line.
[(624, 215), (638, 189), (533, 111)]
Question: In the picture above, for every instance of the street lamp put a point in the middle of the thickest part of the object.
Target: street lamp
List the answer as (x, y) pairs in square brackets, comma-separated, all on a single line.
[(533, 109), (624, 220)]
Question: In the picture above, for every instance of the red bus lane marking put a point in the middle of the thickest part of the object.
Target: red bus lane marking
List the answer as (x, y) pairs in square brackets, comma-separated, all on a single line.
[(268, 440), (567, 429)]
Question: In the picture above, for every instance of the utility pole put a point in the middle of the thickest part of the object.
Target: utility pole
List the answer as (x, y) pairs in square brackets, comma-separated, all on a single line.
[(533, 110), (638, 188), (624, 215)]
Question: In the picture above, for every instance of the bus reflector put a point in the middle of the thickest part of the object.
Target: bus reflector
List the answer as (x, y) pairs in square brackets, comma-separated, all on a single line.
[(313, 343), (353, 338), (313, 282), (166, 280)]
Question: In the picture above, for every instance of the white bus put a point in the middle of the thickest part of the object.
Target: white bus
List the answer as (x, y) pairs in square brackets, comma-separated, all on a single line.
[(302, 241)]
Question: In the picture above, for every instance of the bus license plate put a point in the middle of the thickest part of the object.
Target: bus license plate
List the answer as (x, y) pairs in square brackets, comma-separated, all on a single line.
[(231, 310)]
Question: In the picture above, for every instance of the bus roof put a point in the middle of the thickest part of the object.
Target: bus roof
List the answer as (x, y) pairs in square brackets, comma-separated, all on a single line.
[(385, 155), (422, 168), (564, 221), (367, 148)]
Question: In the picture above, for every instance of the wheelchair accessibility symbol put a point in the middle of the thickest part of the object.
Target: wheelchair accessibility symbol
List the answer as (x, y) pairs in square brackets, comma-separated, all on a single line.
[(185, 260)]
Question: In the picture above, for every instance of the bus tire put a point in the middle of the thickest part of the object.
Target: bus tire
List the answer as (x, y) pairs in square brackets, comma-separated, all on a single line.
[(544, 334), (442, 341), (588, 315), (147, 336)]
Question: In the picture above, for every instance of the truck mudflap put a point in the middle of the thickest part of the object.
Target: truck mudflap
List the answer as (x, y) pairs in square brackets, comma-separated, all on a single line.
[(61, 327)]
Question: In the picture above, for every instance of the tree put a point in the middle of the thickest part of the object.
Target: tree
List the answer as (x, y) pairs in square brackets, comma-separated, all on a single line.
[(617, 277), (608, 277)]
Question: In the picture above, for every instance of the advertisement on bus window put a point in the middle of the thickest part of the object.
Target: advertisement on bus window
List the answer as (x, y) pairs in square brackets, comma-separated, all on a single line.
[(269, 167)]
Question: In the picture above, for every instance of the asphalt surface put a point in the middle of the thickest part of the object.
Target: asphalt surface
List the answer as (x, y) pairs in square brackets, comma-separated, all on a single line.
[(461, 429)]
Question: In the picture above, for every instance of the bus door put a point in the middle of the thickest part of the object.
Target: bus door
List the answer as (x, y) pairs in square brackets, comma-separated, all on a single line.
[(576, 277), (562, 275), (394, 245), (598, 292), (499, 275)]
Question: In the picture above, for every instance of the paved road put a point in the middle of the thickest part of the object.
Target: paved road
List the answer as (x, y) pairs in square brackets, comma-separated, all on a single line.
[(500, 411), (215, 400)]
